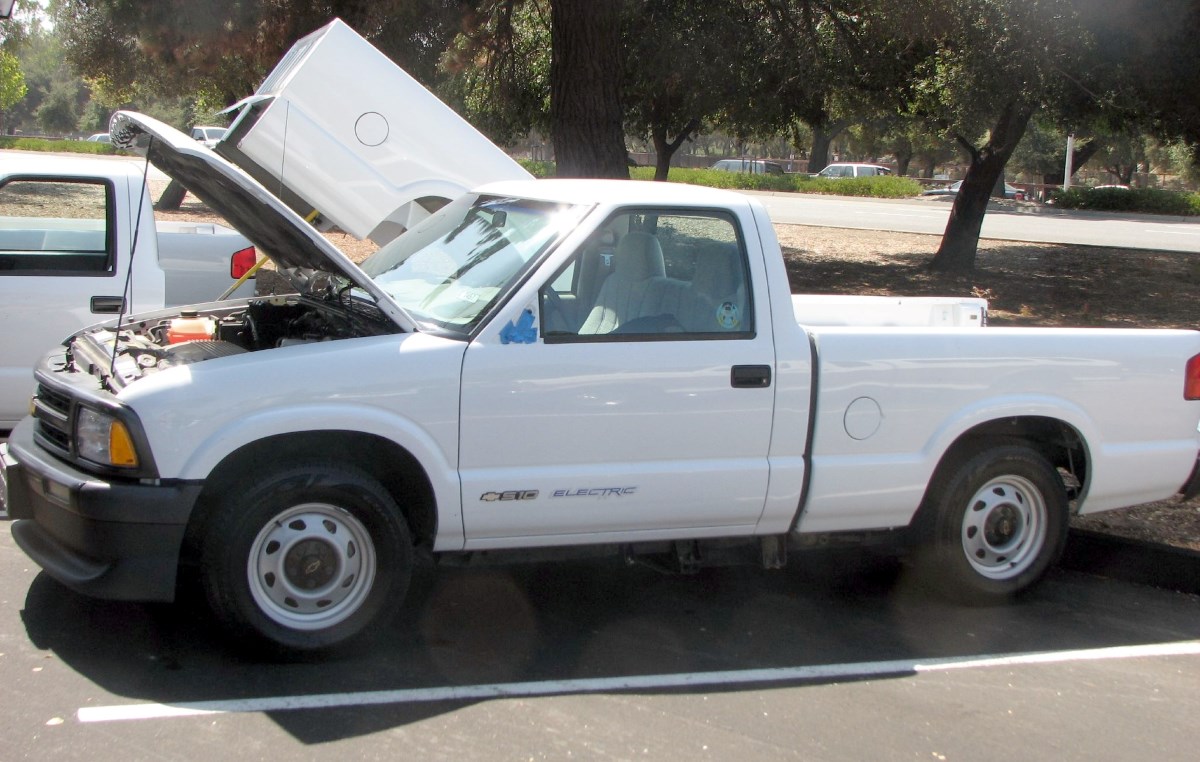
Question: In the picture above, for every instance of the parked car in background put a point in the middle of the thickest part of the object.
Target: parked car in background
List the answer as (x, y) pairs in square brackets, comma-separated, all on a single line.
[(853, 170), (208, 135), (99, 137), (750, 166), (952, 190)]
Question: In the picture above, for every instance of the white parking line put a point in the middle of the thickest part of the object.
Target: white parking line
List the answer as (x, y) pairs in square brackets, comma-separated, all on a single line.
[(896, 667)]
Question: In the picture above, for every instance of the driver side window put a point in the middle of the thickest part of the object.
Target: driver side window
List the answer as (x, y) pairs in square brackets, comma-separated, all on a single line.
[(653, 275)]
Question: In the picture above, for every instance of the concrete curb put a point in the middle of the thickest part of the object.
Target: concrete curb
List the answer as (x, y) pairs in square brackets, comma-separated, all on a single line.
[(1130, 560)]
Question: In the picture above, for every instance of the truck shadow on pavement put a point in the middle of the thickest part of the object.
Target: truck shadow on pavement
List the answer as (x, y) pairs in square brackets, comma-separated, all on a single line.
[(589, 620)]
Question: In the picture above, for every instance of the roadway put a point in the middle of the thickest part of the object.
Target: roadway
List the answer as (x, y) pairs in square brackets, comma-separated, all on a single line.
[(1011, 221)]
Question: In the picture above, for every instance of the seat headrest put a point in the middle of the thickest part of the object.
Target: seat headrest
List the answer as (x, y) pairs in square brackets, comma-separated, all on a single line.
[(717, 273), (638, 256)]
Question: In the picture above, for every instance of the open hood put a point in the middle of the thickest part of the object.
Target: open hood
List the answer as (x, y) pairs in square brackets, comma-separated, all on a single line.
[(347, 138), (298, 250)]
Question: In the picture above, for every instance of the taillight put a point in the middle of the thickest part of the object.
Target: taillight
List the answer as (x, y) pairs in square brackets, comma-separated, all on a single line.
[(1191, 379), (241, 262)]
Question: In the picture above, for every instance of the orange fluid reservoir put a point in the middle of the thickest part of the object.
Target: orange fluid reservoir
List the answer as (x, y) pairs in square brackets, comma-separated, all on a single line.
[(191, 327)]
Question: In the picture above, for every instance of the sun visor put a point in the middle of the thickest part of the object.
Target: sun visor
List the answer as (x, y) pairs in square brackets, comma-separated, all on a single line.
[(347, 138)]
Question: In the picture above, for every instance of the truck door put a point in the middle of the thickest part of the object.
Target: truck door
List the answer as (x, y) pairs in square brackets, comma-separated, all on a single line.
[(58, 273), (643, 406)]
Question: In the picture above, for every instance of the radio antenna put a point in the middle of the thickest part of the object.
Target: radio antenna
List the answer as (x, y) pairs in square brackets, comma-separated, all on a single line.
[(127, 290)]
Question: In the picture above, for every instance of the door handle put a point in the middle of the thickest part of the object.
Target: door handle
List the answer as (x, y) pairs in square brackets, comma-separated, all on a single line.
[(750, 376), (107, 305)]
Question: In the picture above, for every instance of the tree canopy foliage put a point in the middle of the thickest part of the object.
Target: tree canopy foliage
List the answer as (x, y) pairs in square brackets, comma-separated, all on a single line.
[(12, 82), (915, 79), (220, 50)]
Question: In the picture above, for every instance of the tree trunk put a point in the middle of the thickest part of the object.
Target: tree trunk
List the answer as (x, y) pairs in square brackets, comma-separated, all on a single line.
[(1079, 157), (903, 159), (1123, 172), (172, 197), (586, 119), (822, 138), (961, 239), (664, 150)]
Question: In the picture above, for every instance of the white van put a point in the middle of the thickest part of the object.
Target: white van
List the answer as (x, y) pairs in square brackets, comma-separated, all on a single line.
[(853, 170)]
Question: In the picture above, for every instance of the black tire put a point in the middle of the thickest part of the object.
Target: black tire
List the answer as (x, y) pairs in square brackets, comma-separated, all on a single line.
[(996, 524), (305, 558)]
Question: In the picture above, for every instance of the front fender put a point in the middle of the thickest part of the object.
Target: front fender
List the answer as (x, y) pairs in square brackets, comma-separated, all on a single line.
[(308, 418)]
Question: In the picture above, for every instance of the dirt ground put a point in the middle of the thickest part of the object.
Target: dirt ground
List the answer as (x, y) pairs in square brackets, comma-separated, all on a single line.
[(1025, 284)]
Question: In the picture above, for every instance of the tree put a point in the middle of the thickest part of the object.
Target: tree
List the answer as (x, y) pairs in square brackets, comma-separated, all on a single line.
[(803, 62), (586, 120), (680, 67), (498, 70), (18, 37), (59, 111), (585, 116), (1146, 68), (12, 82), (226, 47), (909, 141), (986, 67)]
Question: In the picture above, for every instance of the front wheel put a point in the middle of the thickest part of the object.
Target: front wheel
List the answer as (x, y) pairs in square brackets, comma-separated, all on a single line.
[(306, 558), (999, 523)]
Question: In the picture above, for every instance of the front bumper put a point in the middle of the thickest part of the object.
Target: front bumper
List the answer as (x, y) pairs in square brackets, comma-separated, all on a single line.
[(105, 539)]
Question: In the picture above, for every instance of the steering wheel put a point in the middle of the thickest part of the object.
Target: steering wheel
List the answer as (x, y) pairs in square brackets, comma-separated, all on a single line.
[(651, 324)]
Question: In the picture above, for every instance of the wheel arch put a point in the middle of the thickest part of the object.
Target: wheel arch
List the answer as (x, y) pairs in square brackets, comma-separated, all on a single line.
[(1059, 442), (394, 467)]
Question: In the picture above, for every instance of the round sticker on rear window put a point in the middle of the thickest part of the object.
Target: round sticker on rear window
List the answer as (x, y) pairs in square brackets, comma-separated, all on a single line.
[(728, 317)]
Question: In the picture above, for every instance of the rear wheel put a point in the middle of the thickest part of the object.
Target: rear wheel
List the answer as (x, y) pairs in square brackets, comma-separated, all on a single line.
[(999, 523), (306, 557)]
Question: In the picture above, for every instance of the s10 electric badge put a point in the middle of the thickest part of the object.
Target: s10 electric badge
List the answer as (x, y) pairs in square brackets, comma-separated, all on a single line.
[(513, 494)]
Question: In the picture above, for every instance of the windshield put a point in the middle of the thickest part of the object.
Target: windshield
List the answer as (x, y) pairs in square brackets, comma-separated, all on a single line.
[(451, 268)]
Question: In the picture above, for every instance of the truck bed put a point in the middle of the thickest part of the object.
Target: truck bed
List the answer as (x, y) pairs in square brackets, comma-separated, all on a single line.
[(897, 311)]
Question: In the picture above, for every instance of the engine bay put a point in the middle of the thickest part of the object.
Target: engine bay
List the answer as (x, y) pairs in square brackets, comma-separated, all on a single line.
[(154, 343)]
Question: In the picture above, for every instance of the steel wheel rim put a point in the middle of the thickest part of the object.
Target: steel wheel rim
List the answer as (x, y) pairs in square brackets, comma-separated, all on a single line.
[(311, 567), (1004, 527)]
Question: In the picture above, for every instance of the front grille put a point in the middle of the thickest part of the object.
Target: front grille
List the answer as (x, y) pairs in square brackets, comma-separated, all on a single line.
[(52, 412), (55, 400)]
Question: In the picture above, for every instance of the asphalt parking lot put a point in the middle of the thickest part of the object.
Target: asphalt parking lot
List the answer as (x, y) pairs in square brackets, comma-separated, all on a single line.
[(836, 657)]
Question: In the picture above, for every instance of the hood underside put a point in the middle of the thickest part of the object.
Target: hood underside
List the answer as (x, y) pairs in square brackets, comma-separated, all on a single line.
[(297, 249)]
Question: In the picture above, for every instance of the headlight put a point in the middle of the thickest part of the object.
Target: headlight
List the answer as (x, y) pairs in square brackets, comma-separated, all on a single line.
[(103, 439)]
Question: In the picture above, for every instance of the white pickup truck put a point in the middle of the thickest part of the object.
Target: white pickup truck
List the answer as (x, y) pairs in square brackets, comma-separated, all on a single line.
[(597, 365), (72, 230)]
